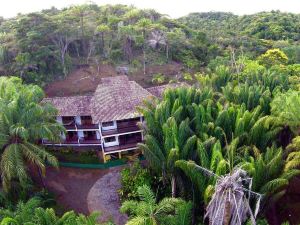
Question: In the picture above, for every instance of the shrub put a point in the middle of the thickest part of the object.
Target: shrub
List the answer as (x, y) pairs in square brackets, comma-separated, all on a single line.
[(131, 179), (158, 78)]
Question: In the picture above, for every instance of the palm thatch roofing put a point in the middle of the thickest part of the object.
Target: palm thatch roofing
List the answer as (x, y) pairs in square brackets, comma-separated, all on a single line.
[(72, 105), (116, 98)]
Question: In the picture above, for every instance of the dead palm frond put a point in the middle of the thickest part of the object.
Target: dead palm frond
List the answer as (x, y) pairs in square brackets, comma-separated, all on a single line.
[(230, 201)]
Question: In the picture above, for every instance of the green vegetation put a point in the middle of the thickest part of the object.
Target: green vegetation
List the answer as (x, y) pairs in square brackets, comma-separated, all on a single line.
[(23, 123), (147, 211), (131, 179), (239, 120), (44, 46), (73, 156), (31, 212)]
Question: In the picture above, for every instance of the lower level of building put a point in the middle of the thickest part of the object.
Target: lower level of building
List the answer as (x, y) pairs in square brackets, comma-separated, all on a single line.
[(108, 145)]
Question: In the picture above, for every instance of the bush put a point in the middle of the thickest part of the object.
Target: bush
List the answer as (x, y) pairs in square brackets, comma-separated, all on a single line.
[(70, 155), (158, 78), (131, 179)]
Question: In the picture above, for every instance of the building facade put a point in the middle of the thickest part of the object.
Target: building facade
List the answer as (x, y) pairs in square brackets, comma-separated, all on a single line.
[(108, 119)]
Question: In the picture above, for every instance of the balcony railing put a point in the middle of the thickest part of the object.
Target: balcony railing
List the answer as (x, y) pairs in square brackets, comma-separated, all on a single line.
[(87, 126), (130, 143), (74, 126), (120, 130), (80, 141)]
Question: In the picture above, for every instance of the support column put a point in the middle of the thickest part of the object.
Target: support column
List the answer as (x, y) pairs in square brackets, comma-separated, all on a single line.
[(120, 155), (142, 132)]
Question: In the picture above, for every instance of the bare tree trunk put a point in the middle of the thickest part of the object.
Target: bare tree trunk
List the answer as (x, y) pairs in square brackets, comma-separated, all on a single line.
[(167, 52), (227, 215), (173, 183), (144, 60)]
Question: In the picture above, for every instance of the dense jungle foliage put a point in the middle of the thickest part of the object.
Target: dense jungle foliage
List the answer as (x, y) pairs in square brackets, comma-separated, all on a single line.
[(43, 46), (237, 121)]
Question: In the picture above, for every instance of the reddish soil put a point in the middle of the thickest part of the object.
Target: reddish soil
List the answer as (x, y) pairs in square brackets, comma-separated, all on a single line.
[(71, 186), (85, 80), (170, 71), (80, 81)]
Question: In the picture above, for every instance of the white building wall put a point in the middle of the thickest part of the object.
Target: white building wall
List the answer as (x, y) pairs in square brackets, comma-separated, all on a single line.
[(78, 120), (113, 143), (59, 119), (98, 135), (80, 134)]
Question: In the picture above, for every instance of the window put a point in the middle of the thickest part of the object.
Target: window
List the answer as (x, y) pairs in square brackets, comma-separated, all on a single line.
[(108, 124), (110, 139)]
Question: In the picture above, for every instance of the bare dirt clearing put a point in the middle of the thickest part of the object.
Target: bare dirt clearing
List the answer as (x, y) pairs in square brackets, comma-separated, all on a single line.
[(86, 79)]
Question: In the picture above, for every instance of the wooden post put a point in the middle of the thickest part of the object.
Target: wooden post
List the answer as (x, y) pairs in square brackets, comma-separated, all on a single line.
[(120, 155), (104, 159)]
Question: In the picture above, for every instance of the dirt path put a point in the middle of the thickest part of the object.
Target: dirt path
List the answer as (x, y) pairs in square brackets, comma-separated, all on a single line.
[(103, 197), (87, 190)]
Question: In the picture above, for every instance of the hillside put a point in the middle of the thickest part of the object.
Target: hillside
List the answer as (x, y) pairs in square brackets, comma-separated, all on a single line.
[(47, 46)]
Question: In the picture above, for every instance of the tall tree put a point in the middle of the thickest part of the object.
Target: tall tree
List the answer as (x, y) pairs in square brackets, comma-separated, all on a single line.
[(24, 121)]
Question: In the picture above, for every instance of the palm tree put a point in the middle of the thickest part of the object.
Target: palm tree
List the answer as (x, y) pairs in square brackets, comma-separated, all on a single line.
[(148, 212), (178, 144), (285, 107), (23, 123), (32, 213), (272, 170), (229, 203)]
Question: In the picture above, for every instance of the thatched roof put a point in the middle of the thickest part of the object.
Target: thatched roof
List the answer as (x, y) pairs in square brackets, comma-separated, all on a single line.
[(71, 106), (116, 99)]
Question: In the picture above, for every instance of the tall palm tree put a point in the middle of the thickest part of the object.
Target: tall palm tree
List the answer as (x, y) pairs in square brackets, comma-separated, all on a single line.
[(178, 144), (24, 121), (148, 212)]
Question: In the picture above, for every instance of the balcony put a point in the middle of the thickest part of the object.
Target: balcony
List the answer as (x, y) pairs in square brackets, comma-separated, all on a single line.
[(125, 142), (123, 127), (118, 148), (89, 141)]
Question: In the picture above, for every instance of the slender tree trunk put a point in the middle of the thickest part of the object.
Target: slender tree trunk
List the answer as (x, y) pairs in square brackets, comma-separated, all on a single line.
[(173, 183), (144, 61), (103, 46), (167, 52)]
